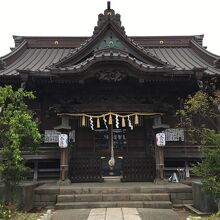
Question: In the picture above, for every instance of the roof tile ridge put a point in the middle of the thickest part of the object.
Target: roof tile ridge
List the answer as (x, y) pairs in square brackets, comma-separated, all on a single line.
[(14, 51), (83, 45), (72, 53), (202, 49), (146, 51), (110, 54)]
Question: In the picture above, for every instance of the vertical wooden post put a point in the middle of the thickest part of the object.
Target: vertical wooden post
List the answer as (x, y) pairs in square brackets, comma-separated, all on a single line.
[(62, 164), (161, 162), (64, 128)]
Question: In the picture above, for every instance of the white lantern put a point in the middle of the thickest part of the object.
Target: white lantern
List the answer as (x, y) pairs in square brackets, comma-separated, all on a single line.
[(63, 140), (161, 139)]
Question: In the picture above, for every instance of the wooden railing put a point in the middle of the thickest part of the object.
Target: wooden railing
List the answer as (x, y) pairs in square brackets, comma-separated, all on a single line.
[(182, 151)]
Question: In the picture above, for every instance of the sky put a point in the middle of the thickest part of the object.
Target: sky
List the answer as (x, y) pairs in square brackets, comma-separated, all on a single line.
[(140, 18)]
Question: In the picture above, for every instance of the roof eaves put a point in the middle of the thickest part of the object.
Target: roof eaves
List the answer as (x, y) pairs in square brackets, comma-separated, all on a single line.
[(13, 52), (113, 56), (202, 52)]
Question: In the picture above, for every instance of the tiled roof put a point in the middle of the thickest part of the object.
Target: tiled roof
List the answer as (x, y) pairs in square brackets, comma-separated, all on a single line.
[(184, 58), (35, 59), (179, 53), (114, 56), (185, 53)]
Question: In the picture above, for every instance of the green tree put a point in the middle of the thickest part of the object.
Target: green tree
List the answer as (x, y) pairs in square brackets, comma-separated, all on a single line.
[(198, 113), (209, 168), (18, 131), (197, 117)]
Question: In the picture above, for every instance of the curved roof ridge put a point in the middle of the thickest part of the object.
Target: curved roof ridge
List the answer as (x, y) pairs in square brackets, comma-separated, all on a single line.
[(115, 56), (210, 57), (13, 52), (95, 38)]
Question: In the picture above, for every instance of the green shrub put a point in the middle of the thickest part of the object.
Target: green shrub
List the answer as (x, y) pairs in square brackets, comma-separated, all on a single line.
[(5, 213)]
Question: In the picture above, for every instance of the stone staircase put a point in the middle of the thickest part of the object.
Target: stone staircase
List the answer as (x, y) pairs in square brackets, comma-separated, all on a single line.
[(132, 197), (112, 194)]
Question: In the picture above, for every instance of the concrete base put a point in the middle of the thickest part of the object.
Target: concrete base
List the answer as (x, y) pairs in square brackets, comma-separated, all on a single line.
[(24, 195), (202, 200)]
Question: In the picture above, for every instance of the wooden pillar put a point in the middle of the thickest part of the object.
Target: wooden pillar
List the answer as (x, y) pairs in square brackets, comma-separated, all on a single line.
[(158, 127), (64, 163), (161, 162), (157, 162), (64, 152)]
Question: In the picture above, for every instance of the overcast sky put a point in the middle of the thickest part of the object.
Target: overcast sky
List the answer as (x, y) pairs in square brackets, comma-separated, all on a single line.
[(140, 17)]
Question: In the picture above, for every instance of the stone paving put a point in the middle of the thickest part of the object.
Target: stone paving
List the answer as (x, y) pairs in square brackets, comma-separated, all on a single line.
[(71, 214), (116, 214)]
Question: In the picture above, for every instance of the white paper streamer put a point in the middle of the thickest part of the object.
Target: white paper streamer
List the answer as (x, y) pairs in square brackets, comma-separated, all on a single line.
[(116, 121), (105, 122), (129, 123), (91, 123)]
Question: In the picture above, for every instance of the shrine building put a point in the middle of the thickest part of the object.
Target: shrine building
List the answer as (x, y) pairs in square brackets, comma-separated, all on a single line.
[(111, 94)]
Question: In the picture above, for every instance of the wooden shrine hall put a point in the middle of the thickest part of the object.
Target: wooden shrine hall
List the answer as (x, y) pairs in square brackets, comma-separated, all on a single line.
[(111, 94)]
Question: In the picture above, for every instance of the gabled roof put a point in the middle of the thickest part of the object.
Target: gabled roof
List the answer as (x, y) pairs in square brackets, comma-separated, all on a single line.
[(70, 54), (109, 34)]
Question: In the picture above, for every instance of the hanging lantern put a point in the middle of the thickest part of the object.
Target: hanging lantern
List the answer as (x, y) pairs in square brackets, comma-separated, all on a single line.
[(110, 120), (83, 121), (136, 120), (123, 122), (98, 123)]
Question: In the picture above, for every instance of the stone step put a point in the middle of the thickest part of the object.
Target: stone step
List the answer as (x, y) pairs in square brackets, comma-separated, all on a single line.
[(112, 179), (128, 204), (109, 190), (113, 197)]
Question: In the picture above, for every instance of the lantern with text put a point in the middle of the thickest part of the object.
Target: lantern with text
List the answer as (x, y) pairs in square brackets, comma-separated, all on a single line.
[(161, 139), (63, 140)]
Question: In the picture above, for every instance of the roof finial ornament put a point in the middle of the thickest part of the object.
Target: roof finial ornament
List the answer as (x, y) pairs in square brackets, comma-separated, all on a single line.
[(109, 5)]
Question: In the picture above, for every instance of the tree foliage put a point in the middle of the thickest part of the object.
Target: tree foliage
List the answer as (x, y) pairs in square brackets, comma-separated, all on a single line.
[(197, 117), (209, 168), (198, 113), (18, 131)]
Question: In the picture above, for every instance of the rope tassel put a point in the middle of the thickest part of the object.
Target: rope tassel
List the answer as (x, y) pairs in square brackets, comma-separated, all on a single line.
[(123, 122), (98, 123), (136, 120), (110, 120), (83, 121)]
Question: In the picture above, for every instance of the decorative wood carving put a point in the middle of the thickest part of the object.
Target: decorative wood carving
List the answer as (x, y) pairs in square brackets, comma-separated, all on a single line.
[(110, 75)]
